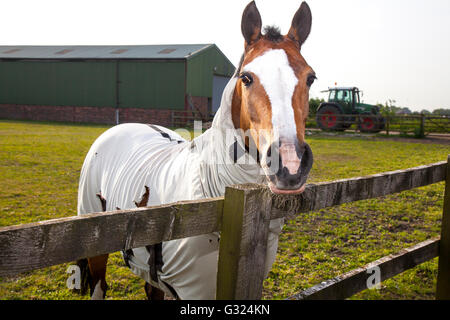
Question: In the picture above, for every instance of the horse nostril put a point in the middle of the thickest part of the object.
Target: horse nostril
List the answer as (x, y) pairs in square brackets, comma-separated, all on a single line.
[(301, 150), (293, 181), (273, 160), (284, 172), (273, 150)]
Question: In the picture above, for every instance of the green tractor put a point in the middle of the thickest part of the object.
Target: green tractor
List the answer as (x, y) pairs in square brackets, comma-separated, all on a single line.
[(344, 108)]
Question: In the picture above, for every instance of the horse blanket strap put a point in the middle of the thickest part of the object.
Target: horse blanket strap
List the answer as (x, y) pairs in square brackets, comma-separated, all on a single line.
[(127, 254), (164, 134), (154, 261), (155, 264)]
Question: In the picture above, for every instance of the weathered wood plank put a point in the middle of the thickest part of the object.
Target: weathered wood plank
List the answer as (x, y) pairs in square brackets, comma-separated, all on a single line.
[(328, 194), (51, 242), (243, 243), (352, 282), (443, 281)]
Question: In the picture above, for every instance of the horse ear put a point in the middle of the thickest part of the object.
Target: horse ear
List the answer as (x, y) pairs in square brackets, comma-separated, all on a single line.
[(251, 24), (301, 24)]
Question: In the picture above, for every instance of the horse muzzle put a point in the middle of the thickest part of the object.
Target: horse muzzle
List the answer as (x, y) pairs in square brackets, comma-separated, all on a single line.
[(289, 165)]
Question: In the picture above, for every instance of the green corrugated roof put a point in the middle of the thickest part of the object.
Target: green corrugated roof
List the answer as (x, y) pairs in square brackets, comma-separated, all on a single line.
[(167, 51)]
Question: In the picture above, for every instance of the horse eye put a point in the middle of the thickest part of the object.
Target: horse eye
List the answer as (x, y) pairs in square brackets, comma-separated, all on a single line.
[(246, 79), (310, 80)]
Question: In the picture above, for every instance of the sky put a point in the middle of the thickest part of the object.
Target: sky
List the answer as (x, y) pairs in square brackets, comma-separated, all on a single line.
[(392, 50)]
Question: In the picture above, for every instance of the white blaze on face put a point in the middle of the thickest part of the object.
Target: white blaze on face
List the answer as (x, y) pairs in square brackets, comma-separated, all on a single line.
[(279, 81)]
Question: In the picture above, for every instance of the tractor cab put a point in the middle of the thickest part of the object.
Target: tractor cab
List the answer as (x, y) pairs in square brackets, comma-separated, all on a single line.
[(348, 98)]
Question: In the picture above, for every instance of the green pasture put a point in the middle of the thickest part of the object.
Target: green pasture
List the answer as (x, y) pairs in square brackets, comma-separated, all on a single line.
[(39, 170)]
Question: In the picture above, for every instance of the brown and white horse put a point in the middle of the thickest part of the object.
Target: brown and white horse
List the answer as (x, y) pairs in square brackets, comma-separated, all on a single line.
[(272, 96), (264, 105)]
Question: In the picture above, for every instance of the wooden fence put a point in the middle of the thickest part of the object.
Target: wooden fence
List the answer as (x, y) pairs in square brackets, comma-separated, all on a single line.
[(417, 124), (242, 217), (185, 119)]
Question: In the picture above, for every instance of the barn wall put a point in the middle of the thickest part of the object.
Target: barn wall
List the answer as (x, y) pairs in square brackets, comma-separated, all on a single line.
[(58, 83), (152, 84), (201, 68)]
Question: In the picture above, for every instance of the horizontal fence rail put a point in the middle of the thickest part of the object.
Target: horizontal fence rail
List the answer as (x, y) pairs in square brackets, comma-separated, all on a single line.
[(328, 194), (42, 244), (186, 119), (355, 281)]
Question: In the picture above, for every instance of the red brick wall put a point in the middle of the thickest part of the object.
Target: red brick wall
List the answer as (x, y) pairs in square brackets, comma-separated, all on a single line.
[(58, 113), (153, 116), (105, 115), (201, 104)]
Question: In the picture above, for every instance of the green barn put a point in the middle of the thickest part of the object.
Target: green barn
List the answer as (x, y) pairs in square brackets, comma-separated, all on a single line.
[(111, 84)]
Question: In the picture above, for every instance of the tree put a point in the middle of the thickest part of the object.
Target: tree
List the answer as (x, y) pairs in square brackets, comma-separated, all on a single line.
[(388, 108), (405, 110), (442, 112), (314, 104)]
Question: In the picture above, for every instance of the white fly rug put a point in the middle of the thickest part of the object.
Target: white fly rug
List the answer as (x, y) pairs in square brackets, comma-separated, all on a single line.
[(129, 157)]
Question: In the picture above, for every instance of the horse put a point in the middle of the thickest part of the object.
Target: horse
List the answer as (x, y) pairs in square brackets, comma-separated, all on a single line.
[(257, 136)]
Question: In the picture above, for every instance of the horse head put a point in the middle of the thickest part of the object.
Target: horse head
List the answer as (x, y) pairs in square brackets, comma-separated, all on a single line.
[(271, 98)]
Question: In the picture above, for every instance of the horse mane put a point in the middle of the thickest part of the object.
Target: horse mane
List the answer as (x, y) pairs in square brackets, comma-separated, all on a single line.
[(271, 33)]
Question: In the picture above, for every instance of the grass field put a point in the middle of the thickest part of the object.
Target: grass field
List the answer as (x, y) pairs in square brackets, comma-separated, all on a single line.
[(39, 170)]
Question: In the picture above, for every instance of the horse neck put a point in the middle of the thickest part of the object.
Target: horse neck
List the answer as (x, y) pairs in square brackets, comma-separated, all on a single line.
[(214, 149)]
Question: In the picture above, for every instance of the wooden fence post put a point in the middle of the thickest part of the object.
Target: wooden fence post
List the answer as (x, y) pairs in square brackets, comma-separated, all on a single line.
[(422, 125), (243, 243), (388, 122), (443, 281)]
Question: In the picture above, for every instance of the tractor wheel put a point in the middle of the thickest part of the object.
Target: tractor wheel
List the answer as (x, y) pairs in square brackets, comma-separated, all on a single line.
[(370, 123), (329, 118)]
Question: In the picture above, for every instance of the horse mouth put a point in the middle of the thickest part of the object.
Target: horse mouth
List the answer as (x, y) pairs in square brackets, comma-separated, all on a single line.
[(276, 190), (289, 174)]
